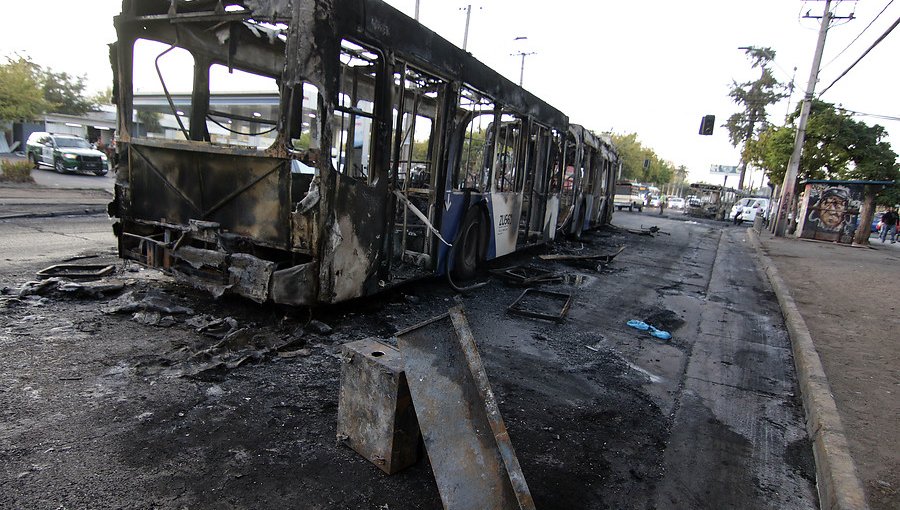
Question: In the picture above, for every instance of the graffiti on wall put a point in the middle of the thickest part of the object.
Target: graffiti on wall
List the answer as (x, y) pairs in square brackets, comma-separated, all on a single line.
[(832, 212)]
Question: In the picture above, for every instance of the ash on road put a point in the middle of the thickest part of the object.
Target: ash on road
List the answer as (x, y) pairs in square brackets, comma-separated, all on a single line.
[(189, 402)]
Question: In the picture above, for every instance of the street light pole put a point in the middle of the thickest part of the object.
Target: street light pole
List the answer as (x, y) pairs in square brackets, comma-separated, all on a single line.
[(522, 54), (466, 35), (790, 177), (417, 10)]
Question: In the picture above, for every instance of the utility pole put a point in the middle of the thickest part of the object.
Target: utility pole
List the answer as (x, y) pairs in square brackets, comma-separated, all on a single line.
[(522, 54), (466, 35), (790, 177), (522, 68)]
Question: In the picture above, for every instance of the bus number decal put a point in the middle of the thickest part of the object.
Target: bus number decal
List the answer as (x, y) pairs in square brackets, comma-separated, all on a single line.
[(503, 222)]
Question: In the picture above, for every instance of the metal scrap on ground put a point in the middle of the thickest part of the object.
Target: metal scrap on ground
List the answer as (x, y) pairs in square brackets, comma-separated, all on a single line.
[(527, 275), (646, 231), (603, 257), (76, 271), (473, 460), (531, 304)]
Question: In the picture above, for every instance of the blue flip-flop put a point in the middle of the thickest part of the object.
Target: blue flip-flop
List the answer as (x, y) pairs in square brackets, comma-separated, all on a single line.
[(658, 333), (634, 323)]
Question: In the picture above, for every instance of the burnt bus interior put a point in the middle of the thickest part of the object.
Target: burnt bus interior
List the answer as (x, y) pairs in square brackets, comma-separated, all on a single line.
[(319, 152)]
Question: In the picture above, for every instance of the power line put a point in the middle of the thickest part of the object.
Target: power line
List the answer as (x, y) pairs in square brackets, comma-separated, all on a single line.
[(860, 34), (873, 115), (874, 44)]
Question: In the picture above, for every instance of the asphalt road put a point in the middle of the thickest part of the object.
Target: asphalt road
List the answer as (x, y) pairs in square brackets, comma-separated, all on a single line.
[(29, 243), (114, 411), (47, 177)]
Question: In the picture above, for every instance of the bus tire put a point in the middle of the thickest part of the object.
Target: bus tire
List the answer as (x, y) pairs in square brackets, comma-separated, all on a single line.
[(471, 245)]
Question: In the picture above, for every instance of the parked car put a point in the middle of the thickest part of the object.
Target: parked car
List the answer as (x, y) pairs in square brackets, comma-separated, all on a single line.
[(675, 203), (750, 208), (876, 222), (65, 153)]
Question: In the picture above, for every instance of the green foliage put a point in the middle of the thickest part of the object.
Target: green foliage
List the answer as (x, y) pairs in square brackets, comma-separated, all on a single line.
[(15, 171), (753, 97), (21, 96), (890, 196), (150, 120), (835, 147), (102, 98), (633, 154), (472, 157), (65, 93)]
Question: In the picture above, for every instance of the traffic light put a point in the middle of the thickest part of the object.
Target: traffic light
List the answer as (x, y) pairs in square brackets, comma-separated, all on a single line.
[(707, 124)]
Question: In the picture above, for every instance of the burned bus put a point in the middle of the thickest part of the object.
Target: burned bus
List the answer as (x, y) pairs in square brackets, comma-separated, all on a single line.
[(320, 151)]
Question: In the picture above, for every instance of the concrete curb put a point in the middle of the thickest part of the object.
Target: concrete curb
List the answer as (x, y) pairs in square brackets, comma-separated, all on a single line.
[(87, 211), (836, 478)]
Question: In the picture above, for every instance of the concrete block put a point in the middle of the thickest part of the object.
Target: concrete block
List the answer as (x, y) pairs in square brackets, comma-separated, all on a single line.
[(376, 416)]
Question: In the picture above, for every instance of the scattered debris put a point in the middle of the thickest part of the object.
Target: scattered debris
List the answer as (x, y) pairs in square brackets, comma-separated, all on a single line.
[(39, 288), (77, 271), (152, 302), (473, 460), (153, 319), (646, 231), (293, 354), (319, 327), (532, 302), (216, 328), (527, 275), (604, 257)]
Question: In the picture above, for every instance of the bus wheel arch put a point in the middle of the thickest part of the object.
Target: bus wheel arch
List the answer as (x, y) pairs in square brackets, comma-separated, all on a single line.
[(470, 248)]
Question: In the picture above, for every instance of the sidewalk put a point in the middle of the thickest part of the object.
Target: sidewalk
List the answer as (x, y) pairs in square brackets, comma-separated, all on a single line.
[(847, 298), (31, 200)]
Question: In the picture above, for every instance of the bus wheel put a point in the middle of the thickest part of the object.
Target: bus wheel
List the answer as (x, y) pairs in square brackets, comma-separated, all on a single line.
[(470, 246)]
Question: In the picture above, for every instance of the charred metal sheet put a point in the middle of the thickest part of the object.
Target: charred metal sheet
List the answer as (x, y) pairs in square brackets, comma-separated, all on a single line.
[(376, 416), (217, 272), (250, 276), (295, 285), (534, 302), (246, 195), (354, 239), (602, 257), (471, 454), (76, 271), (270, 9), (527, 275)]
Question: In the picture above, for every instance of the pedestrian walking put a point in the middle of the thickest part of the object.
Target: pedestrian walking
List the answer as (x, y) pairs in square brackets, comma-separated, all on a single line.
[(889, 225)]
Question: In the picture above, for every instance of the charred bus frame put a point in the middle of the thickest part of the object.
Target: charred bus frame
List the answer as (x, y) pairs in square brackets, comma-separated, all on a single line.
[(391, 154)]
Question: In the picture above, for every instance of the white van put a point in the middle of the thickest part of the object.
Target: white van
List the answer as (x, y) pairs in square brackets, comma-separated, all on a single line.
[(750, 207)]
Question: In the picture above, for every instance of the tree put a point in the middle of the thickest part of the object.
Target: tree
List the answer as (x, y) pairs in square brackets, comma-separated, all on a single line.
[(754, 97), (102, 98), (65, 93), (151, 121), (21, 96), (835, 147), (641, 163)]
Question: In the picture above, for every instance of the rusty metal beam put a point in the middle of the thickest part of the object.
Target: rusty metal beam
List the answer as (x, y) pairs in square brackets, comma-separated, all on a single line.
[(472, 456)]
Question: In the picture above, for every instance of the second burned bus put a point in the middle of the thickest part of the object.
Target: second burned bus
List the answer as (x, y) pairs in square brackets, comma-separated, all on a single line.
[(368, 151)]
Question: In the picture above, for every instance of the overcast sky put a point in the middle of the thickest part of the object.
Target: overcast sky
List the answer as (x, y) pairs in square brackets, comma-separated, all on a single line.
[(653, 67)]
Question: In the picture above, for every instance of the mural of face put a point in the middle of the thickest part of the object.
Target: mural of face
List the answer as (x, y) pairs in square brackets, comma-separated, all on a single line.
[(832, 209)]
